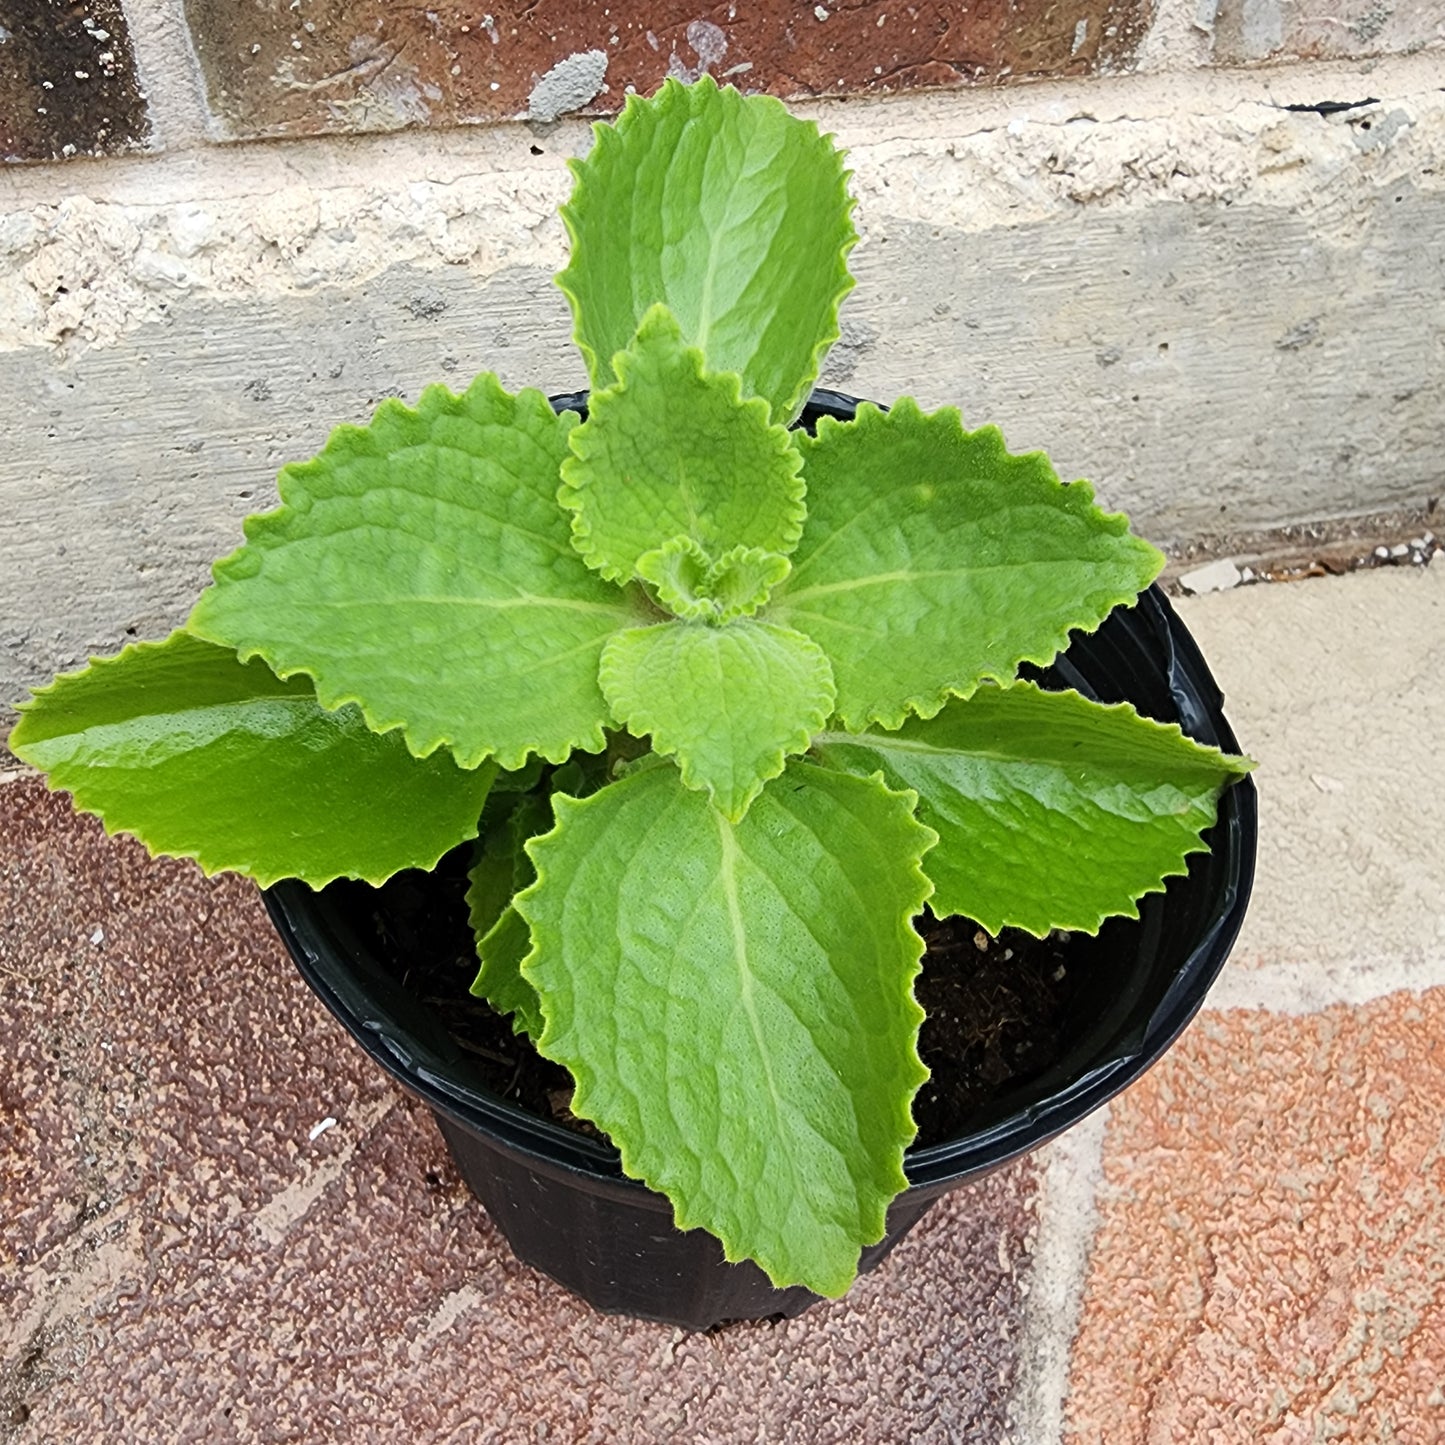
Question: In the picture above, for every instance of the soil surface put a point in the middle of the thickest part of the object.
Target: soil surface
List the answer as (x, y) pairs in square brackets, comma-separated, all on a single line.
[(996, 1007)]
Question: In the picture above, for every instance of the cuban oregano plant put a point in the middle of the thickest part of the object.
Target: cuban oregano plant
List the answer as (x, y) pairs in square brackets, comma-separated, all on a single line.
[(731, 701)]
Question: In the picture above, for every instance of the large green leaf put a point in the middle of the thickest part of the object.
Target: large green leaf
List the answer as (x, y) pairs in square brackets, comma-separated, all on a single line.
[(1051, 811), (673, 452), (734, 214), (933, 560), (201, 756), (735, 1002), (421, 568), (730, 702)]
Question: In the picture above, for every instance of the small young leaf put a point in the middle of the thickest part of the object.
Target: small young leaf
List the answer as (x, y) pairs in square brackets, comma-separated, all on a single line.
[(735, 1002), (501, 869), (679, 571), (742, 580), (420, 567), (1051, 811), (730, 702), (672, 451), (932, 560), (201, 756), (731, 212), (499, 980)]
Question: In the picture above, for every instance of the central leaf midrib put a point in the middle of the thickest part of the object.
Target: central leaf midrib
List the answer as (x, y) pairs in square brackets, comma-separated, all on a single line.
[(881, 579), (727, 875), (1115, 775)]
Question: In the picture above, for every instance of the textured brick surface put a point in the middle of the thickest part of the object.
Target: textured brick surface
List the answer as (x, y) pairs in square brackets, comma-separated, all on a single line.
[(278, 68), (1249, 30), (180, 1261), (1270, 1268), (67, 81)]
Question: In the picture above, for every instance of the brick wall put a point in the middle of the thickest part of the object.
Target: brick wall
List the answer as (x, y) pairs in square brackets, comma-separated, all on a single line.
[(72, 82)]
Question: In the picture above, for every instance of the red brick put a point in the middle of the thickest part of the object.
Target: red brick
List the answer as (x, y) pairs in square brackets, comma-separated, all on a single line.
[(67, 81), (334, 65)]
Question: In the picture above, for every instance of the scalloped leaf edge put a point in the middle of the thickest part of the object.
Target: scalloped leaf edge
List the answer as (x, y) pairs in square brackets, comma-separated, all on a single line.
[(773, 763), (571, 494), (608, 135), (926, 705), (583, 1076), (261, 877)]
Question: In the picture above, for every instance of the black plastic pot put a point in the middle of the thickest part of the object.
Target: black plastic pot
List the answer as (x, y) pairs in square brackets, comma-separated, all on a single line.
[(561, 1199)]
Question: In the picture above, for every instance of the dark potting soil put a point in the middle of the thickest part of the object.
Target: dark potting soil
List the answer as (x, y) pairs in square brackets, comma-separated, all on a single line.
[(996, 1007)]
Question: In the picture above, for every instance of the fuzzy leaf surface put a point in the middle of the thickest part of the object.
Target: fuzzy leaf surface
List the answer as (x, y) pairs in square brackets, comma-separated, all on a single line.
[(672, 452), (201, 756), (1051, 811), (735, 1002), (729, 210), (729, 702), (420, 567), (932, 560), (742, 579)]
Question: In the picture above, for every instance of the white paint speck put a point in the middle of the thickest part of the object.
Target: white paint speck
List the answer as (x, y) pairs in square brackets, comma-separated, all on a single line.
[(820, 12), (569, 85), (317, 1130), (708, 41)]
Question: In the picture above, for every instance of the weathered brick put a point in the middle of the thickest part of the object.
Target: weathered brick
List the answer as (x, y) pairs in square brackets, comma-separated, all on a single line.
[(1270, 1265), (1249, 30), (67, 81), (277, 68), (222, 1223)]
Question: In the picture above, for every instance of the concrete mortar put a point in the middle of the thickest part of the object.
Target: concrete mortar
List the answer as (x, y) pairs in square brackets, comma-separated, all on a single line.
[(1223, 311)]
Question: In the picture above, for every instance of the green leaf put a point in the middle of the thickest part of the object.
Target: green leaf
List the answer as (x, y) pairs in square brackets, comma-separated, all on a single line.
[(735, 1002), (1051, 811), (672, 451), (730, 702), (420, 567), (734, 214), (501, 868), (742, 580), (679, 571), (499, 980), (932, 560), (201, 756)]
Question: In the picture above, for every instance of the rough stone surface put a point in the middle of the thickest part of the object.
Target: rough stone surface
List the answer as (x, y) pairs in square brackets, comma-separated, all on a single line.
[(182, 1261), (1336, 688), (274, 68), (1270, 1267), (1225, 320), (1251, 30), (68, 85)]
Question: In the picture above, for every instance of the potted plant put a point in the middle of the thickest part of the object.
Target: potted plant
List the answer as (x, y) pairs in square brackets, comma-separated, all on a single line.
[(725, 703)]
